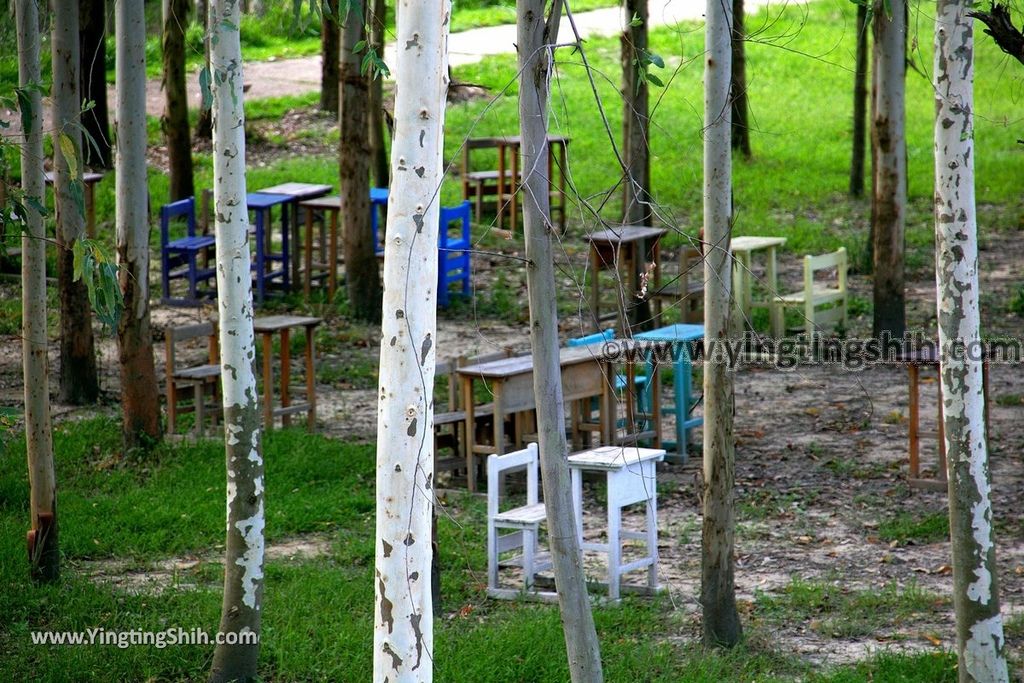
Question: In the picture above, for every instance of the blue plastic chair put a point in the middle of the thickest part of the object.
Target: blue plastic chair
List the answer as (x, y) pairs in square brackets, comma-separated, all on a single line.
[(453, 248), (378, 201), (179, 257)]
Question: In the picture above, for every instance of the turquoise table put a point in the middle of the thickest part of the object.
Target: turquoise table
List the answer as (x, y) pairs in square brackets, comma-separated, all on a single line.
[(679, 336)]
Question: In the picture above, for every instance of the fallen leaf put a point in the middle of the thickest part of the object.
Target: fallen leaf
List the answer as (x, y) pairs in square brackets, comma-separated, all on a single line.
[(934, 640)]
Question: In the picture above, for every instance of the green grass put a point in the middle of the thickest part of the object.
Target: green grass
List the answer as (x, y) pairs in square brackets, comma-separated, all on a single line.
[(171, 504), (832, 609), (906, 527)]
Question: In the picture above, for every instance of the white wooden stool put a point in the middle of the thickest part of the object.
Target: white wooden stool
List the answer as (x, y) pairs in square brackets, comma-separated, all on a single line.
[(631, 479)]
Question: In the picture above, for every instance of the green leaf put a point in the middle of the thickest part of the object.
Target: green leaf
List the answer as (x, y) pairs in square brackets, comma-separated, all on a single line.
[(655, 80), (636, 20), (359, 46), (656, 60), (77, 190), (78, 252), (36, 204), (204, 87), (67, 149), (25, 105)]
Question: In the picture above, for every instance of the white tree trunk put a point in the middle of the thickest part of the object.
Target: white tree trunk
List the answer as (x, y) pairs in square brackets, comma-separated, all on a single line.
[(140, 400), (403, 632), (534, 36), (889, 152), (38, 433), (718, 594), (243, 566), (980, 640)]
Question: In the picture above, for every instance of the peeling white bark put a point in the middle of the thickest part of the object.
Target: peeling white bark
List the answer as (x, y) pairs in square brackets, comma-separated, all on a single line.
[(243, 567), (980, 639), (403, 639)]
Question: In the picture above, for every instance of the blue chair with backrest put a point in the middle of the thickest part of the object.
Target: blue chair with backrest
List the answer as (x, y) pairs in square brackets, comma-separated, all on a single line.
[(179, 257), (453, 246), (378, 205), (641, 381)]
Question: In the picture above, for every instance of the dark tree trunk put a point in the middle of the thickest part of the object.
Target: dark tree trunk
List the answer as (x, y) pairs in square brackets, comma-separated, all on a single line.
[(93, 47), (329, 56), (204, 122), (636, 207), (175, 117), (79, 383), (362, 274), (888, 208), (378, 144), (738, 85), (860, 102)]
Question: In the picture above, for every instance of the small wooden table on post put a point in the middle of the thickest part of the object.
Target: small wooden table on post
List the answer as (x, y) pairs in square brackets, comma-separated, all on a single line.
[(283, 324)]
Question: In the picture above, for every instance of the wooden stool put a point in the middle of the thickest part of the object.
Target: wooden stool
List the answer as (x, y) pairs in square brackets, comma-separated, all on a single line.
[(928, 357), (625, 247), (329, 208), (283, 324), (89, 180)]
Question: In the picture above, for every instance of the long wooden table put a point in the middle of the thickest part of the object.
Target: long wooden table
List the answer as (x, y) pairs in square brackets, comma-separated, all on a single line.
[(587, 371)]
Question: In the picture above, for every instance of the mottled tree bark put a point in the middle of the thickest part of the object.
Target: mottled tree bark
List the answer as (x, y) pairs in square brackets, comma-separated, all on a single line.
[(534, 35), (980, 638), (140, 395), (93, 49), (79, 382), (44, 550), (329, 55), (738, 86), (378, 146), (718, 589), (362, 274), (174, 121), (889, 202), (403, 627), (860, 102), (243, 561)]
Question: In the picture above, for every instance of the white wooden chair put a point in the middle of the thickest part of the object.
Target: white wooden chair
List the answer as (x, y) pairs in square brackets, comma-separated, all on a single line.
[(524, 521), (815, 295)]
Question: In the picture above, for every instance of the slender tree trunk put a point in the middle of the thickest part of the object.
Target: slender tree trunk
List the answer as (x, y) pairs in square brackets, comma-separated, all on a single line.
[(329, 56), (860, 101), (79, 383), (533, 33), (738, 86), (140, 395), (980, 639), (636, 209), (718, 590), (362, 274), (243, 561), (44, 551), (889, 205), (403, 627), (93, 46), (378, 147), (204, 122), (175, 117)]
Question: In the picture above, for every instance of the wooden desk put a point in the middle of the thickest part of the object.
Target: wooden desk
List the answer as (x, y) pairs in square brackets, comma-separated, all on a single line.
[(283, 324), (328, 264), (623, 244), (297, 192), (631, 479), (507, 176), (587, 371), (89, 179), (742, 248)]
